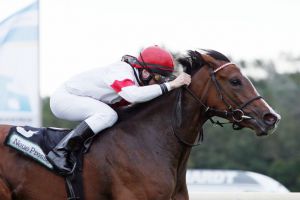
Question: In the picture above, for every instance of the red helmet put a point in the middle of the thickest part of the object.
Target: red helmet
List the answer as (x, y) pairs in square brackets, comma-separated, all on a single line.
[(156, 59)]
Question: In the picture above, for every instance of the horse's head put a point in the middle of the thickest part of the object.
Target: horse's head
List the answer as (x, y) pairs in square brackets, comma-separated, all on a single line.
[(224, 91)]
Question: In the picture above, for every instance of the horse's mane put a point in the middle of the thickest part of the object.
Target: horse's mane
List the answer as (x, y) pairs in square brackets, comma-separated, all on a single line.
[(127, 112), (193, 61), (216, 55)]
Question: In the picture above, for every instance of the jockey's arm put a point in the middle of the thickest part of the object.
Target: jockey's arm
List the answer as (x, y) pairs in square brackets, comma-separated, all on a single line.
[(135, 94)]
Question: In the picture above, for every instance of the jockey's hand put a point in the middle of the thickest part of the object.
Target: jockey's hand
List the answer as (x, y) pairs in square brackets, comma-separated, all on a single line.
[(182, 79)]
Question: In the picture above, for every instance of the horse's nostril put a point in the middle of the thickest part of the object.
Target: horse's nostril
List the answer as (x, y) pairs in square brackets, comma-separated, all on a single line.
[(270, 119)]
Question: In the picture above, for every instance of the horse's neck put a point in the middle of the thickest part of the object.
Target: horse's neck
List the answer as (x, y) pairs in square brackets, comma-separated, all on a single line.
[(188, 127), (148, 127), (175, 112)]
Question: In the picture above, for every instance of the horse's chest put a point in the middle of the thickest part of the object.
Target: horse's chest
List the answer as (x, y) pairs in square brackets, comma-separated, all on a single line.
[(144, 182)]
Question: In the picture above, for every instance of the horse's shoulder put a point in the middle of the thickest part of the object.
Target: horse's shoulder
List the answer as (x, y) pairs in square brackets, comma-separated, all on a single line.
[(4, 128)]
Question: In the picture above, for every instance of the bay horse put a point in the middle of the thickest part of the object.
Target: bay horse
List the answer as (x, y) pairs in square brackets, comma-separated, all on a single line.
[(144, 156)]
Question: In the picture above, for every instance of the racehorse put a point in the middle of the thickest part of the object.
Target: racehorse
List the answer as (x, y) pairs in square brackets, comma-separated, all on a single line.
[(144, 156)]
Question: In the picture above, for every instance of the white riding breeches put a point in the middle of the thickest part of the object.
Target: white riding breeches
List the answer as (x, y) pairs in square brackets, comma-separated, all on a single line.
[(95, 113)]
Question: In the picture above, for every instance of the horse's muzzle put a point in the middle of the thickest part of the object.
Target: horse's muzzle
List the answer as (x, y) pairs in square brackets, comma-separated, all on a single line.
[(268, 124), (271, 119)]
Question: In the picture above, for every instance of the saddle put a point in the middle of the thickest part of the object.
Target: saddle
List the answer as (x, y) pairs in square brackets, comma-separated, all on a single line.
[(35, 143)]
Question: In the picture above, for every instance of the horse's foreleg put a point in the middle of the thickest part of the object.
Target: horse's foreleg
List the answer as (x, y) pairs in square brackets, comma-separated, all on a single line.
[(5, 192), (183, 195)]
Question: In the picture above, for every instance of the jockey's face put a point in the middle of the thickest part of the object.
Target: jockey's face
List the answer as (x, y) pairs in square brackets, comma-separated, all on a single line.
[(145, 74)]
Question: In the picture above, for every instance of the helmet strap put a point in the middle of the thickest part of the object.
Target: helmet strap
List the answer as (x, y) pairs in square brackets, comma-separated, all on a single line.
[(131, 60)]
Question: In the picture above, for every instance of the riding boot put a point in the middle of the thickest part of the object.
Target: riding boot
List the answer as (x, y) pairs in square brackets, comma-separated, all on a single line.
[(59, 157)]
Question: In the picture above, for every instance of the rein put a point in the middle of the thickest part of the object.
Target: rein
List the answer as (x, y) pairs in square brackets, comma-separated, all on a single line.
[(237, 115), (175, 133)]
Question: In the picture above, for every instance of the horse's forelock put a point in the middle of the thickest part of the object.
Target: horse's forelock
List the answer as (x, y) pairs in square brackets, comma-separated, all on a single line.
[(191, 62), (185, 64)]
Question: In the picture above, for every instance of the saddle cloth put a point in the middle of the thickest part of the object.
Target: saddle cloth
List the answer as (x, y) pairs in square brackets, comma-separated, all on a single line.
[(35, 143)]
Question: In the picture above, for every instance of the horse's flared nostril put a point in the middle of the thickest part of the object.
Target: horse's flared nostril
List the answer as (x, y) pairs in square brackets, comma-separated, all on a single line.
[(270, 119)]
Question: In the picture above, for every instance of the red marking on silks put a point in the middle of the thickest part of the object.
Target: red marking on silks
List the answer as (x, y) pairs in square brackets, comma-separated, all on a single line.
[(118, 85), (121, 103)]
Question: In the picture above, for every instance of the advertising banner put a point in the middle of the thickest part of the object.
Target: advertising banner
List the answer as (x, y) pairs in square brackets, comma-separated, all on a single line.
[(19, 70)]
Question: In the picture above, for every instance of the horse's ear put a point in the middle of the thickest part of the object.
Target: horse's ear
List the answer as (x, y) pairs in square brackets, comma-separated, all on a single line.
[(209, 59)]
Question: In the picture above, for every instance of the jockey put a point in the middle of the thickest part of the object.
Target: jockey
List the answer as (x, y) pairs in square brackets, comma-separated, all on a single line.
[(91, 96)]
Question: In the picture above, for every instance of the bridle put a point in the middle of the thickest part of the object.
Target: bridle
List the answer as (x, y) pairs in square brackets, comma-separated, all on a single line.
[(237, 115)]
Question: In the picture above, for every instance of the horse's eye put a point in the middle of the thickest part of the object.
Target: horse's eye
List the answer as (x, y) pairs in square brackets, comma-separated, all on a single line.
[(235, 82)]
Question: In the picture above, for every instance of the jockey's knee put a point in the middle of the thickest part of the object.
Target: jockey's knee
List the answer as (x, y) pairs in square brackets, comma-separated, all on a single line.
[(100, 121), (111, 119)]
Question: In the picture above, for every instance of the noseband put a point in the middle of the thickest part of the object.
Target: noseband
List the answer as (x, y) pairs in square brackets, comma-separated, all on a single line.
[(237, 115)]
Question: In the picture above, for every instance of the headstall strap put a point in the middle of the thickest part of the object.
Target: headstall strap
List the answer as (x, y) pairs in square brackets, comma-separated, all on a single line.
[(223, 66)]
